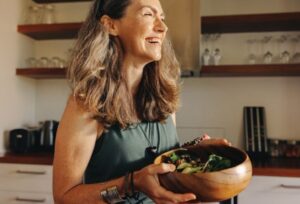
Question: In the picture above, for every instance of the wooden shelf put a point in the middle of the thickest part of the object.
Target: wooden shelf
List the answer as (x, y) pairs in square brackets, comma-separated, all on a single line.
[(50, 31), (251, 23), (206, 71), (251, 70), (42, 73), (210, 24), (57, 1)]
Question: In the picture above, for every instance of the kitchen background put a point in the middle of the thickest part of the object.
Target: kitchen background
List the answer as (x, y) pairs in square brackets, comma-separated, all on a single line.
[(209, 104)]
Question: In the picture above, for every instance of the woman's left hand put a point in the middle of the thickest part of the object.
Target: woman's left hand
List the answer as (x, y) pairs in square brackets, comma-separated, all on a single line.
[(205, 139)]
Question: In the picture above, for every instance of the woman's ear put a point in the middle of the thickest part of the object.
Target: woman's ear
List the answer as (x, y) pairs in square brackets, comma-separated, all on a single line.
[(109, 24)]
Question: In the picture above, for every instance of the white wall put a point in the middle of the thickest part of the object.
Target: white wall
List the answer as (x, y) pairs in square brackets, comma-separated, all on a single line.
[(17, 105), (217, 104)]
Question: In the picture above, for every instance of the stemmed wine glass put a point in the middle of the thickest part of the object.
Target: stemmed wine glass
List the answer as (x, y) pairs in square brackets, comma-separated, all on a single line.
[(267, 54), (295, 41), (283, 43), (251, 46)]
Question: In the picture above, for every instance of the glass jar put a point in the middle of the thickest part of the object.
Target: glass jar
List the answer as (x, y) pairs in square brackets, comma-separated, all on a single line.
[(274, 147), (298, 149), (291, 150), (33, 15), (49, 14)]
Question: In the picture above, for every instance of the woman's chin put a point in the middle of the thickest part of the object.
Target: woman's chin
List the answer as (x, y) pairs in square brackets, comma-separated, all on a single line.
[(156, 57)]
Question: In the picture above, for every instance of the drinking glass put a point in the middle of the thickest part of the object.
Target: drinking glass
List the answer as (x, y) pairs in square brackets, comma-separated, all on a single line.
[(32, 16), (48, 16), (206, 53), (252, 51), (31, 62), (217, 56), (295, 44), (283, 45), (44, 62), (266, 47)]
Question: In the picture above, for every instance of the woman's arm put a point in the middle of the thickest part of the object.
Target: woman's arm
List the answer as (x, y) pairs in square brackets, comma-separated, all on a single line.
[(76, 137)]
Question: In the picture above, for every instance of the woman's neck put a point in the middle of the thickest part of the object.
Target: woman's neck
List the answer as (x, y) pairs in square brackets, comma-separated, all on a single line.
[(133, 73)]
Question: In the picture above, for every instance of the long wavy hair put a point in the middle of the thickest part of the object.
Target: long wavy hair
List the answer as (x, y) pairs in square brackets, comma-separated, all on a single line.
[(99, 85)]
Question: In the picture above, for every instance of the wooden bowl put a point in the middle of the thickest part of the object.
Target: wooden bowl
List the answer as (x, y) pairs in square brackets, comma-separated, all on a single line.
[(211, 186)]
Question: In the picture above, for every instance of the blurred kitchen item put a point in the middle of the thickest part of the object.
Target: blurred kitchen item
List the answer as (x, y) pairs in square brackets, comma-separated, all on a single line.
[(44, 62), (284, 54), (49, 14), (274, 148), (266, 47), (285, 57), (55, 61), (256, 142), (296, 49), (19, 140), (32, 15), (216, 56), (252, 51), (31, 62), (206, 57), (23, 140), (62, 63), (48, 133), (292, 150)]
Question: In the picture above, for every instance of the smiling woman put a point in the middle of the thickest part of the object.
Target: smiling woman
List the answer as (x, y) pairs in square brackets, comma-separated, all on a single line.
[(121, 113)]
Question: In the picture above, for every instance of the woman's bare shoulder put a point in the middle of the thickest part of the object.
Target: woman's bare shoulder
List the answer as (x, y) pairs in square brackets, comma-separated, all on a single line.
[(79, 118)]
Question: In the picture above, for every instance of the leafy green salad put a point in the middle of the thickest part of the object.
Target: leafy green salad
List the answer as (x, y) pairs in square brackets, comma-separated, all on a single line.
[(187, 162)]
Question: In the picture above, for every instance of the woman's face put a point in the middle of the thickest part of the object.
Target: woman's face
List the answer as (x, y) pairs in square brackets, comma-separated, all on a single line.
[(142, 31)]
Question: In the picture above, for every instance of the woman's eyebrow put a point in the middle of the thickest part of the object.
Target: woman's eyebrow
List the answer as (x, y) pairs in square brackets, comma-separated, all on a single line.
[(153, 9)]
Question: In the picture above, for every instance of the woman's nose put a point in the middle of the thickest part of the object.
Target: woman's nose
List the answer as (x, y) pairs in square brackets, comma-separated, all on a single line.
[(160, 25)]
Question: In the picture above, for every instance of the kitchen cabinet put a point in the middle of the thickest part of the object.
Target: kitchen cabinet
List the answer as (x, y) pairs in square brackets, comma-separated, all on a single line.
[(271, 189), (24, 183)]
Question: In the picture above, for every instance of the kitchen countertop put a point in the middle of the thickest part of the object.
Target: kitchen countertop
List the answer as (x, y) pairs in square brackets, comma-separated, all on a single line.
[(289, 167), (277, 167), (27, 158)]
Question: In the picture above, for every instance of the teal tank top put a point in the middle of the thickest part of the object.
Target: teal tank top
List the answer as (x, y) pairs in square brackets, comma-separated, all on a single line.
[(119, 151)]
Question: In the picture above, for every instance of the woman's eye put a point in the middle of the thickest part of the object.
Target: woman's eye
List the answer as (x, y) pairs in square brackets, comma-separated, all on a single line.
[(148, 14)]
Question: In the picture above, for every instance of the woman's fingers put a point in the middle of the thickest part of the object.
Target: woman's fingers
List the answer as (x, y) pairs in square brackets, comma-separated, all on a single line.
[(161, 194), (216, 142), (205, 137), (161, 168)]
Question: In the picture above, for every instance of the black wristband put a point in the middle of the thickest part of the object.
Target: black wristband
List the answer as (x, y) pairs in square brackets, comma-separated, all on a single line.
[(134, 194)]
